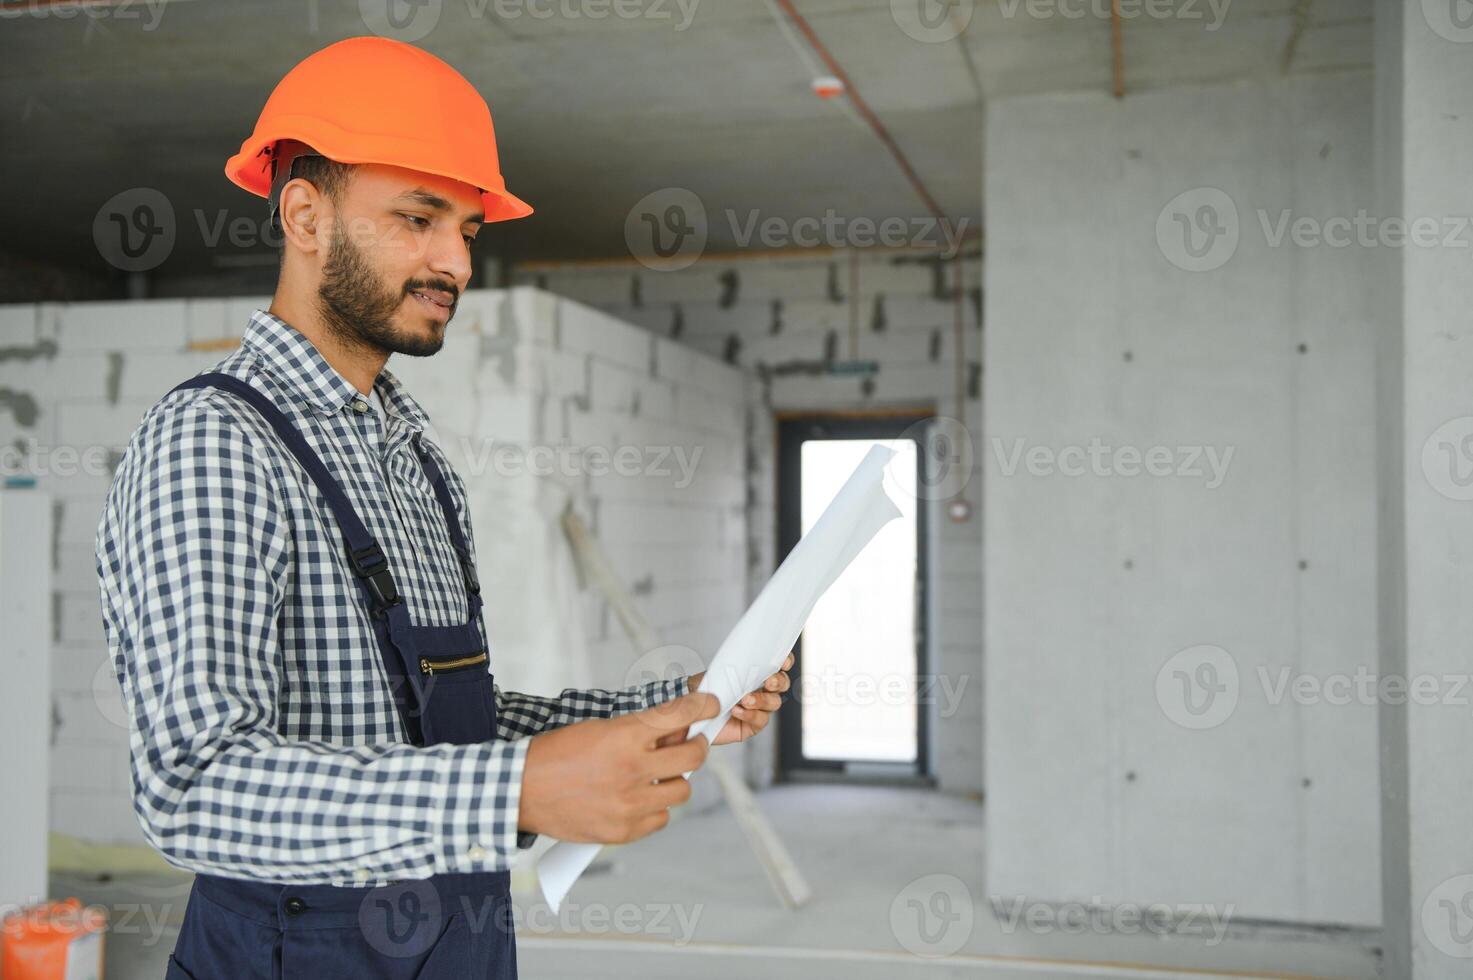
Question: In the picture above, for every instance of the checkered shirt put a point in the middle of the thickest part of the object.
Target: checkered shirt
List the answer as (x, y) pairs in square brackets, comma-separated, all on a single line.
[(263, 735)]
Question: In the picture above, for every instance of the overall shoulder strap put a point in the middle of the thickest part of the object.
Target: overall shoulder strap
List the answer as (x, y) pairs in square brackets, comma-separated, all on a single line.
[(364, 554), (452, 521)]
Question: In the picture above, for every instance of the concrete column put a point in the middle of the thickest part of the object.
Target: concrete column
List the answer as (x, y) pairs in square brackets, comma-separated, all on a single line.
[(1424, 123)]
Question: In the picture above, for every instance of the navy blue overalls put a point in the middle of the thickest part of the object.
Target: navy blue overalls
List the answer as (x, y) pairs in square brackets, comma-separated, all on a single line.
[(447, 926)]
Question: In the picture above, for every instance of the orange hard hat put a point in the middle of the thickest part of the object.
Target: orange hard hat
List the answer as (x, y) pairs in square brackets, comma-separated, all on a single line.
[(377, 100)]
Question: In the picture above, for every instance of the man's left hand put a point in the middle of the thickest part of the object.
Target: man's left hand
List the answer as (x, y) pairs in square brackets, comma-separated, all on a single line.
[(752, 713)]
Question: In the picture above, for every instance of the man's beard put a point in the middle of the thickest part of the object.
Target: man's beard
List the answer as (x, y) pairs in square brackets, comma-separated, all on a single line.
[(359, 311)]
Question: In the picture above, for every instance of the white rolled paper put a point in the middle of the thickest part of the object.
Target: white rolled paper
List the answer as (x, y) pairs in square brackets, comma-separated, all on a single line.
[(762, 639)]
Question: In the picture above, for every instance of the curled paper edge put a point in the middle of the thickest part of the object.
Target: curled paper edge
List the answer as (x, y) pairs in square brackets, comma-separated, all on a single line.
[(765, 634)]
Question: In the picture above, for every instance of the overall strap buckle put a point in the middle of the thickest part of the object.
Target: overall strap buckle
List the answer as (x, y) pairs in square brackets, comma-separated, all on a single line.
[(373, 568), (468, 570)]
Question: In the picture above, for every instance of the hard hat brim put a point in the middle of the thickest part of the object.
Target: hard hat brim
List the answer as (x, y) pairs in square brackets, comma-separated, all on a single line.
[(250, 168)]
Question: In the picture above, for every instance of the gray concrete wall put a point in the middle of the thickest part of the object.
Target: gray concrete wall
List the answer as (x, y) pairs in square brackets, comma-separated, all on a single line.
[(768, 314), (1180, 501), (520, 373), (1424, 144)]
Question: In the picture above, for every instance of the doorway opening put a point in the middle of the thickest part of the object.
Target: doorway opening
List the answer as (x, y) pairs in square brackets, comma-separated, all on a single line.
[(855, 712)]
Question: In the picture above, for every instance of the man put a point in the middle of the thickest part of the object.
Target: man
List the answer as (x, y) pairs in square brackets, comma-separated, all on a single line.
[(289, 590)]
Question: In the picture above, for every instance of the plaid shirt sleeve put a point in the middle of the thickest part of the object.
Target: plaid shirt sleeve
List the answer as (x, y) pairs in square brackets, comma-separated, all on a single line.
[(194, 558), (519, 715)]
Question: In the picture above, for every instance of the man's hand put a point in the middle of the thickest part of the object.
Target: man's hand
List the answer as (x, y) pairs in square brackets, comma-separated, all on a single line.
[(613, 780), (752, 713)]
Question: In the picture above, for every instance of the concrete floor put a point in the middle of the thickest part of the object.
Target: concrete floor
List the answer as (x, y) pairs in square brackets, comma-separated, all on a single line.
[(877, 858)]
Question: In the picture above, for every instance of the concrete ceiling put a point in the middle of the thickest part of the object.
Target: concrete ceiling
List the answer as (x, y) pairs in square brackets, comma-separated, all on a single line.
[(594, 113)]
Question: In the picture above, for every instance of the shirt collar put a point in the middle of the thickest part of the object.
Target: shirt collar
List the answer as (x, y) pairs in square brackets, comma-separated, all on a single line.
[(297, 363)]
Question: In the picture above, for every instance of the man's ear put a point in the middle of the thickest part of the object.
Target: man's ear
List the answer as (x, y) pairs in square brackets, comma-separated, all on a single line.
[(302, 215)]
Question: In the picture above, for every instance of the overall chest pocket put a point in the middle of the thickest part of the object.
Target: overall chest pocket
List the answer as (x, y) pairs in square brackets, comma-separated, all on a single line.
[(456, 699)]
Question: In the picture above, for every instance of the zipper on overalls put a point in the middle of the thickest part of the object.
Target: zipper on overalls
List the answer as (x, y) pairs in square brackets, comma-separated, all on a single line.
[(428, 666)]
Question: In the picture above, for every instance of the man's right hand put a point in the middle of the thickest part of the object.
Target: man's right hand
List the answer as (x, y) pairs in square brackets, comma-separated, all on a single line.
[(613, 780)]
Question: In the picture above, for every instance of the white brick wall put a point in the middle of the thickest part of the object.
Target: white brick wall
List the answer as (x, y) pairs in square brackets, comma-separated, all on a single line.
[(583, 378), (25, 694), (520, 369), (90, 371), (902, 285), (139, 325)]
